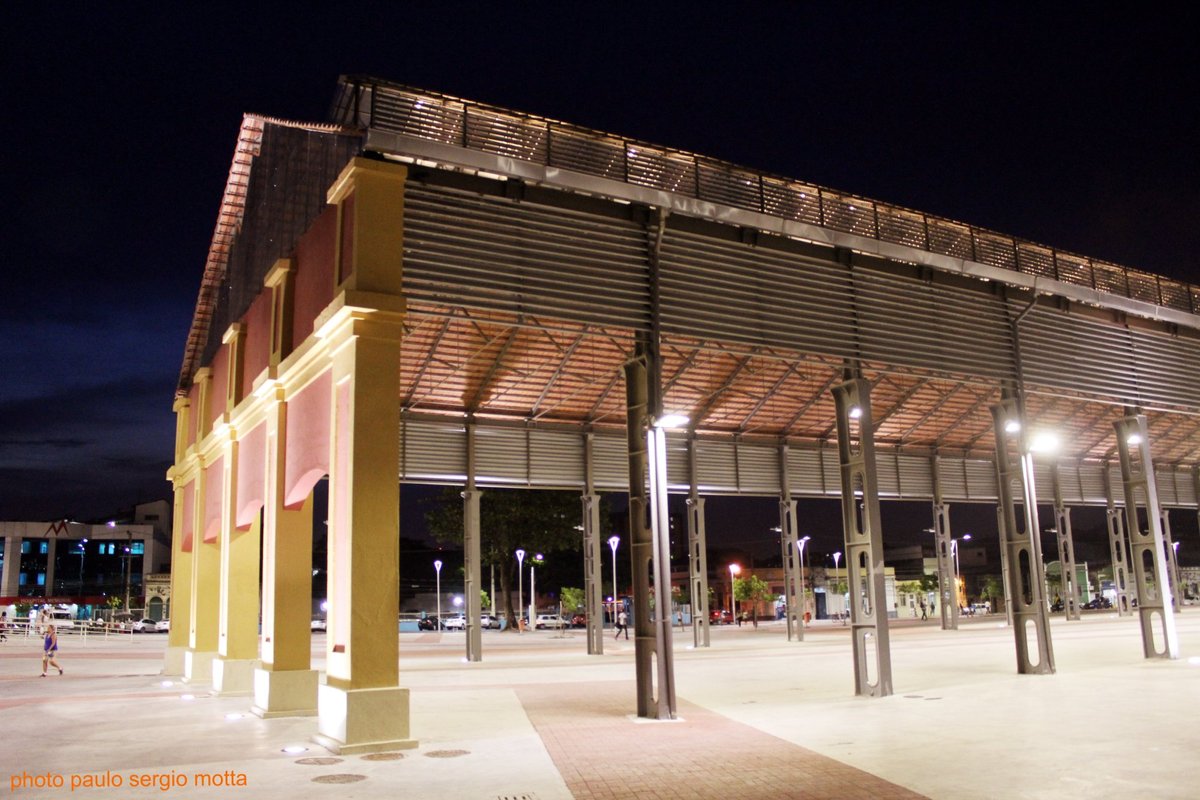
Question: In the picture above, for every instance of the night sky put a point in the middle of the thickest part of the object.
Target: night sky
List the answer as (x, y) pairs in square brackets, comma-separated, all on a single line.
[(119, 127)]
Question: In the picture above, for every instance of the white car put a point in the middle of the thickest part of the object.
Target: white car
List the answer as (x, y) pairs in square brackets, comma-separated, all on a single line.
[(488, 621), (163, 626), (549, 621), (455, 623), (318, 625), (145, 625)]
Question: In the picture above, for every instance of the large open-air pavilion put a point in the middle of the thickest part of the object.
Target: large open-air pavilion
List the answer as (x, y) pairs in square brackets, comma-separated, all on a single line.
[(430, 290)]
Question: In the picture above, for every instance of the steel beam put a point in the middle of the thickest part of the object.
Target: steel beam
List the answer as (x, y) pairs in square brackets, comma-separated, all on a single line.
[(472, 562), (1026, 576), (1004, 576), (1117, 547), (943, 544), (1172, 562), (789, 544), (864, 537), (697, 554), (592, 559), (1146, 545), (1066, 551)]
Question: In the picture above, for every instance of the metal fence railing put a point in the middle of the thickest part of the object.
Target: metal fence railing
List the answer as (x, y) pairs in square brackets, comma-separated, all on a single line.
[(427, 115)]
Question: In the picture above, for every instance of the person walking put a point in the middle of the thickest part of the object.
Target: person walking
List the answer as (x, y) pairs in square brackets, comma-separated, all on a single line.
[(622, 625), (49, 650)]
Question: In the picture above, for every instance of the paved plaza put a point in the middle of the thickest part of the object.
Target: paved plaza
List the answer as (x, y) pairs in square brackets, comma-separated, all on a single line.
[(759, 718)]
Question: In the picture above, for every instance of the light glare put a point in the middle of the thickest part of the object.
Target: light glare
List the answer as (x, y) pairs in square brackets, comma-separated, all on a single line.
[(1043, 442), (1012, 426), (671, 421)]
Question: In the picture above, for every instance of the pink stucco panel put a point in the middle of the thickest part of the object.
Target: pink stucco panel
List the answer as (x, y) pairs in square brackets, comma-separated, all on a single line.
[(307, 455), (220, 384), (189, 515), (257, 353), (251, 476), (313, 287), (214, 488)]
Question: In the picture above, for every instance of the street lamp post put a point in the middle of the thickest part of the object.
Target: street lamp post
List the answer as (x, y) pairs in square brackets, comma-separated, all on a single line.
[(734, 569), (437, 566), (533, 562), (800, 615), (954, 550), (520, 586), (613, 541), (837, 584), (82, 555)]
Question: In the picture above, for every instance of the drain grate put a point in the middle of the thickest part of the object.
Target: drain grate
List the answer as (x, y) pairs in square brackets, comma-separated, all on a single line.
[(320, 761), (525, 796), (344, 777), (447, 753), (383, 756)]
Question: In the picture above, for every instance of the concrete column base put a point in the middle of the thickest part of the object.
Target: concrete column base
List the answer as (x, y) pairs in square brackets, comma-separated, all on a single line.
[(233, 676), (285, 693), (173, 661), (197, 666), (362, 720)]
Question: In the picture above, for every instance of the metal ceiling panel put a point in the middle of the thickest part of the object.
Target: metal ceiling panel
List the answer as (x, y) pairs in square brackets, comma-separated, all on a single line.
[(555, 458), (757, 468), (501, 455), (433, 450)]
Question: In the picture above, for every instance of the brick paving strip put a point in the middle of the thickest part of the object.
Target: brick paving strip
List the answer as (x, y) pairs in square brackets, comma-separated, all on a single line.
[(601, 753)]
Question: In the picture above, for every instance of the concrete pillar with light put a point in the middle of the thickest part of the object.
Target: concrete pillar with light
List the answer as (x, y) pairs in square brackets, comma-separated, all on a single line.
[(697, 552), (593, 582), (1147, 546), (1066, 550), (863, 530), (1172, 548), (790, 550), (1118, 547), (943, 545), (1026, 575), (472, 558)]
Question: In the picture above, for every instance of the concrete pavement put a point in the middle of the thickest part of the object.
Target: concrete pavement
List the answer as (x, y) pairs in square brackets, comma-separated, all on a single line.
[(539, 719)]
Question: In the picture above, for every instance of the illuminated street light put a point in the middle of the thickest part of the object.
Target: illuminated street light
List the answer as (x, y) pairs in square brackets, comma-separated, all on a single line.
[(520, 585), (437, 566), (800, 613), (734, 570), (613, 541)]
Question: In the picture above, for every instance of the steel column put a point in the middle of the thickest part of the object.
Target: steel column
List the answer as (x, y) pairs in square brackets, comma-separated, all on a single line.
[(1172, 562), (1004, 578), (789, 538), (864, 537), (1026, 576), (1117, 547), (943, 544), (697, 554), (592, 559), (473, 571), (1146, 546), (1066, 551), (642, 547)]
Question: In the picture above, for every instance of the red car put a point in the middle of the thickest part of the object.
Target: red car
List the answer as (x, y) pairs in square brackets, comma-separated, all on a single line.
[(579, 621), (720, 616)]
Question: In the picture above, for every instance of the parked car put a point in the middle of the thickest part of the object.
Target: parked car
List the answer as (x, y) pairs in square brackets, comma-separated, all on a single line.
[(488, 621), (427, 623), (548, 621), (145, 626), (458, 623), (319, 625), (720, 616), (163, 626), (579, 620)]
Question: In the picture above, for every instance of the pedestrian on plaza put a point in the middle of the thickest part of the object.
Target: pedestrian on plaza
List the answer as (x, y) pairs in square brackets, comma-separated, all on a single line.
[(3, 627), (924, 615), (679, 617), (622, 625), (49, 650)]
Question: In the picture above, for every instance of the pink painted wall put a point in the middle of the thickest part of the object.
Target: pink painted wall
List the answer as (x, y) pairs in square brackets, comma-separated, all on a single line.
[(220, 384), (257, 353), (214, 484), (314, 274), (307, 458), (251, 475)]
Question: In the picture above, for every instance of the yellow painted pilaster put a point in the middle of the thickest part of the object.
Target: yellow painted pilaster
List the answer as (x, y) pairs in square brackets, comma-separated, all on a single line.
[(369, 195), (281, 281), (285, 684), (205, 595), (237, 625), (361, 707), (181, 592), (202, 412)]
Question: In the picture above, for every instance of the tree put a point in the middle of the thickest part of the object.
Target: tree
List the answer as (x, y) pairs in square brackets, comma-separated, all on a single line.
[(752, 590), (571, 598), (538, 521)]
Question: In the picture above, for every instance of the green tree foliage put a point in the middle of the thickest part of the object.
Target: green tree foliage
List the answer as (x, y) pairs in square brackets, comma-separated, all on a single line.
[(538, 521), (572, 599), (753, 590)]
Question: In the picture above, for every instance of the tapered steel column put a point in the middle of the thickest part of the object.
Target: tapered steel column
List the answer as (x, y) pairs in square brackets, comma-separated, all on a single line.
[(1147, 547), (472, 561), (1117, 548), (649, 634), (864, 537), (1004, 579), (943, 544), (592, 595), (1026, 576), (1172, 562), (697, 554), (1066, 551), (789, 538)]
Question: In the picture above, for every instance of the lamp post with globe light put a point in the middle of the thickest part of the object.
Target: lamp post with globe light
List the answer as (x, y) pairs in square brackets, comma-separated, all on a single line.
[(613, 541), (437, 566), (520, 586), (734, 571)]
